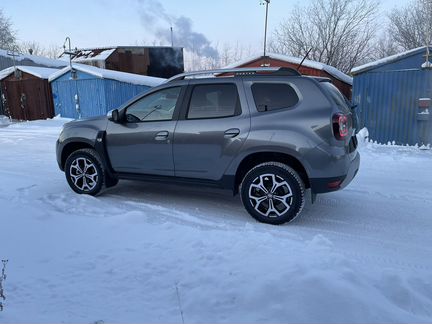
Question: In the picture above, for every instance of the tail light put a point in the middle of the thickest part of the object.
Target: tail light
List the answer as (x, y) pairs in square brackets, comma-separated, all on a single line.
[(341, 126)]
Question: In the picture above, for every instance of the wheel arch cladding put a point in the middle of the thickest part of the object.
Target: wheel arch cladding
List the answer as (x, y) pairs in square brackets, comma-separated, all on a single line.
[(257, 158), (71, 147)]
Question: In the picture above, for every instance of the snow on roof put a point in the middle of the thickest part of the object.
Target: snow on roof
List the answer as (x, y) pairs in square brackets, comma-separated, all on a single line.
[(295, 60), (37, 60), (40, 72), (386, 60), (90, 55), (109, 74)]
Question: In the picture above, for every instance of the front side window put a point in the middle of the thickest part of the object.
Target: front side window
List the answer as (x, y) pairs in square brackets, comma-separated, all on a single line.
[(214, 101), (157, 106), (274, 96)]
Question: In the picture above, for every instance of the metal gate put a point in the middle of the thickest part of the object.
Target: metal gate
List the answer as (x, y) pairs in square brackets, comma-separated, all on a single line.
[(28, 99)]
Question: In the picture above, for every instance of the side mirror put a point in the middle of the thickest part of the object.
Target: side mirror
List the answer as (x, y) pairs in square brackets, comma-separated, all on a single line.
[(114, 116)]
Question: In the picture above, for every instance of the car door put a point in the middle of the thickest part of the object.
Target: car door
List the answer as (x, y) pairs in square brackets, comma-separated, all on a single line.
[(142, 142), (212, 127)]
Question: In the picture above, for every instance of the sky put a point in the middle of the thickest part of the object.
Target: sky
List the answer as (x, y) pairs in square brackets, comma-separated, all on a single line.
[(98, 23)]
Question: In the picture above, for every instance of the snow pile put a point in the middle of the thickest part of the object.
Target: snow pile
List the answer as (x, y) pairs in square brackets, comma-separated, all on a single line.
[(427, 65), (363, 136), (358, 255), (4, 121)]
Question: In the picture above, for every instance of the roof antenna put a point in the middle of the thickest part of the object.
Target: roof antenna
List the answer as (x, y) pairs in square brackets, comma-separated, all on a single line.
[(304, 58)]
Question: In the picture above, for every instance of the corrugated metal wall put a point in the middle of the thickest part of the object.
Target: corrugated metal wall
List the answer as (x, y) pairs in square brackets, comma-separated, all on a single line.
[(117, 93), (95, 96), (388, 105)]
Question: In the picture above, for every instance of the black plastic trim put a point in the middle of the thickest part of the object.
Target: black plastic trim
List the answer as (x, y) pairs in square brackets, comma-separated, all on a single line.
[(227, 182), (320, 185), (100, 147)]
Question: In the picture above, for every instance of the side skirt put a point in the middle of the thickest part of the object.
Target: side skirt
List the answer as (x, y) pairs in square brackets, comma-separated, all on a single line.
[(225, 183)]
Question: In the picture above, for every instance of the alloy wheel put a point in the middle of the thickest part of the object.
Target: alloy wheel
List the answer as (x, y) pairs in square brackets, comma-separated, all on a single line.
[(270, 195), (84, 174)]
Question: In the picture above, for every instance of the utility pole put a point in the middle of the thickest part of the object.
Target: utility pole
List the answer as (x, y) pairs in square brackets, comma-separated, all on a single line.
[(266, 3), (172, 37)]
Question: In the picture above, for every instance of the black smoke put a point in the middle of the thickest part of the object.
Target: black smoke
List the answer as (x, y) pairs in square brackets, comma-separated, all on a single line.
[(155, 18)]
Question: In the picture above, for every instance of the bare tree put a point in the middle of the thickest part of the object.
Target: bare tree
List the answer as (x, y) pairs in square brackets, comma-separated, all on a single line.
[(384, 47), (339, 32), (411, 26), (7, 34), (53, 51), (32, 47), (228, 54), (231, 53)]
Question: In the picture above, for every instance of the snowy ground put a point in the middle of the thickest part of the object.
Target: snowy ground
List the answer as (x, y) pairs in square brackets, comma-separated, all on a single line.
[(360, 255)]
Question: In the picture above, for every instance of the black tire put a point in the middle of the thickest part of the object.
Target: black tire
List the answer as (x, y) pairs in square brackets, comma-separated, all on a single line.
[(273, 206), (94, 176)]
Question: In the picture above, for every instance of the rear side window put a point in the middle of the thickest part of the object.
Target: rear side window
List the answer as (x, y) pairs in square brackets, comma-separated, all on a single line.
[(337, 96), (214, 101), (274, 96)]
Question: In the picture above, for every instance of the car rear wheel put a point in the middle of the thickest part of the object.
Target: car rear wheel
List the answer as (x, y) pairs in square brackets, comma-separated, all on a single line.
[(273, 193), (84, 172)]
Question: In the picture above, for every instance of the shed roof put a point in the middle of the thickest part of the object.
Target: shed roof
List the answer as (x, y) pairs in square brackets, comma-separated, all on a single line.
[(37, 60), (109, 74), (296, 60), (102, 53), (387, 60), (94, 55), (39, 72)]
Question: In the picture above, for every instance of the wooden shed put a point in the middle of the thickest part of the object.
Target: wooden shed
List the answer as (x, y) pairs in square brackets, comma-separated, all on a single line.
[(26, 93), (342, 81)]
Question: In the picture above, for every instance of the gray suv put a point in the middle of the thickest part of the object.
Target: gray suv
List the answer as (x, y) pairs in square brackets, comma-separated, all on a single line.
[(267, 133)]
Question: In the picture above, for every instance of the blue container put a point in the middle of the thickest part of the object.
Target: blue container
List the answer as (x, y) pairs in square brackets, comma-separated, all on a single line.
[(387, 93), (81, 94)]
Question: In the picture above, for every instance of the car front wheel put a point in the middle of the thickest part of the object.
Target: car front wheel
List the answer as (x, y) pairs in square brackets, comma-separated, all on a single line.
[(273, 193), (84, 172)]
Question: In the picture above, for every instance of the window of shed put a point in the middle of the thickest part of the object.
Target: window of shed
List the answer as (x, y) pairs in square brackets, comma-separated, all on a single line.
[(274, 96)]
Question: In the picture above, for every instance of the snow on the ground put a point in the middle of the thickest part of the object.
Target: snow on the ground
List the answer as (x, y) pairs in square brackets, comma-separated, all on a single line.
[(359, 255)]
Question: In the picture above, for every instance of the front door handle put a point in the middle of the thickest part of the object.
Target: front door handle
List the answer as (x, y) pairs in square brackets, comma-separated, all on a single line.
[(162, 136), (231, 133)]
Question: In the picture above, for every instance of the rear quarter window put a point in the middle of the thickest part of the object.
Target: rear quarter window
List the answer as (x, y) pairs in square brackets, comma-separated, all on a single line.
[(273, 96), (337, 96)]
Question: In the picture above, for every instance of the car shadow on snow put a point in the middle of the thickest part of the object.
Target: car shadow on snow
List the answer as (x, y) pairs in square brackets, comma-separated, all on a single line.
[(216, 205)]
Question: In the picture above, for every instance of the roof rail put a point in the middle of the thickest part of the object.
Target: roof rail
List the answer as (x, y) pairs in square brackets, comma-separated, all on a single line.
[(282, 71)]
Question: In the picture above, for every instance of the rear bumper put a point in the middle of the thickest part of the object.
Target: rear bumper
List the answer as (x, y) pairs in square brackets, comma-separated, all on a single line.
[(323, 185)]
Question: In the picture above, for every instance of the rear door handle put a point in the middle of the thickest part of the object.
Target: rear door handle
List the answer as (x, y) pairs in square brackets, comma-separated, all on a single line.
[(162, 136), (231, 133)]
